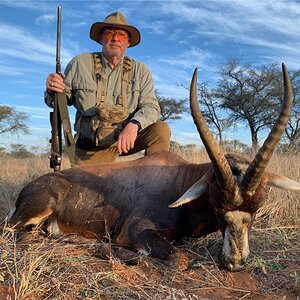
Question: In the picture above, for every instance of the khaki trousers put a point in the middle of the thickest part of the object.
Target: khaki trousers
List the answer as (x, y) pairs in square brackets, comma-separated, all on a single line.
[(153, 138)]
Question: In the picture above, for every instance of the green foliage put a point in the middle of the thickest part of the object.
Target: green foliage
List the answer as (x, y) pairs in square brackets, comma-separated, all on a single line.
[(20, 151), (12, 121), (250, 94), (170, 108), (211, 107), (2, 151), (292, 131)]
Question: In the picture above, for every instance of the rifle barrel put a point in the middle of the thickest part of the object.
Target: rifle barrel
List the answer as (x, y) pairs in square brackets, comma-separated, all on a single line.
[(58, 66)]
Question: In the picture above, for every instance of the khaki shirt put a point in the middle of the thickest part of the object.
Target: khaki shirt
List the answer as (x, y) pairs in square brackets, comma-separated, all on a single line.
[(81, 88)]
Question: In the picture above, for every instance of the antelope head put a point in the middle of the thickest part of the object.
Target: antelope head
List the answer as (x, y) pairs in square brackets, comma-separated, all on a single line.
[(237, 186)]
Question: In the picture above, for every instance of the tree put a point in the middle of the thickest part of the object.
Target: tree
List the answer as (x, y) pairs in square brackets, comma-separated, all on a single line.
[(236, 146), (2, 151), (35, 149), (12, 121), (170, 108), (210, 108), (250, 94), (19, 150), (292, 130)]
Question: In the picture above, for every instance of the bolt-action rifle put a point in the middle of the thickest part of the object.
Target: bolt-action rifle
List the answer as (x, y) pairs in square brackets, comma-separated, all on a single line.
[(60, 116)]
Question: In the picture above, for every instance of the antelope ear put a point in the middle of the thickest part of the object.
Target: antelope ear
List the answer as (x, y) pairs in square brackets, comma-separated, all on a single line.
[(283, 182), (194, 192)]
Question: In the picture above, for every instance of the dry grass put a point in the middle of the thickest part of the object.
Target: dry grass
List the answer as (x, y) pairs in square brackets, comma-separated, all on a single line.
[(15, 173), (282, 207), (41, 268)]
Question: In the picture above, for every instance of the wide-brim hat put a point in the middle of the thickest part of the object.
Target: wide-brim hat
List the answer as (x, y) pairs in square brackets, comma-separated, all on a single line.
[(115, 19)]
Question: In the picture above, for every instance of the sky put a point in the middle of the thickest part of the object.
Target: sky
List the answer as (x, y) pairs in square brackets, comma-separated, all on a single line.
[(177, 37)]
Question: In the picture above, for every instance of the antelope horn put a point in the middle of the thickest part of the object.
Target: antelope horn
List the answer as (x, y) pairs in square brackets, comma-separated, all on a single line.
[(221, 166), (257, 167), (283, 182), (195, 191)]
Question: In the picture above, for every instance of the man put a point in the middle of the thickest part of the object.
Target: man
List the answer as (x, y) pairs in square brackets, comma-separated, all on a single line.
[(117, 111)]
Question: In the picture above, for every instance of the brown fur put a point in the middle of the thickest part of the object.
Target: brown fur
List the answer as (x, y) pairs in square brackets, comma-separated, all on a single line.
[(128, 202)]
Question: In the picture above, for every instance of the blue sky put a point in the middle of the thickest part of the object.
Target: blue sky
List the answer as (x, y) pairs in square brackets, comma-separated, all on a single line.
[(177, 36)]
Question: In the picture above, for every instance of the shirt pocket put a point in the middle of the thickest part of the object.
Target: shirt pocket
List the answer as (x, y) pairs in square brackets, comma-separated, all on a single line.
[(85, 97), (133, 86), (133, 92)]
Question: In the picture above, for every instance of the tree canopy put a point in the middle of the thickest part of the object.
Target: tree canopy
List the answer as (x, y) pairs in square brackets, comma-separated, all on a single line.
[(252, 95), (170, 108), (12, 121)]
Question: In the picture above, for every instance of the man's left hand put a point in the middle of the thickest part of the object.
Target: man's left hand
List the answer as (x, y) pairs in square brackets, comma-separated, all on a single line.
[(127, 138)]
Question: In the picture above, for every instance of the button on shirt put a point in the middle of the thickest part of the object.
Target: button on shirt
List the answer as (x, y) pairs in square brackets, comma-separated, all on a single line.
[(81, 91)]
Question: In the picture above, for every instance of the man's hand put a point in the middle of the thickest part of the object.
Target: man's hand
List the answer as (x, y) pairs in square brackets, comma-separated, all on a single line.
[(127, 138), (55, 83)]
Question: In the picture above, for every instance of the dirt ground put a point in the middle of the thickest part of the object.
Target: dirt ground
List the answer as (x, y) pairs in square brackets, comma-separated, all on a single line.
[(50, 269)]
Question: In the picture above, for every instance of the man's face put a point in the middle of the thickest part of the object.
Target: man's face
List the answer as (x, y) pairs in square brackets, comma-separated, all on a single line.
[(114, 41)]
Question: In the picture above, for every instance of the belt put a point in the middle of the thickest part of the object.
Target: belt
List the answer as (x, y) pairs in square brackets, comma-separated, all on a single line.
[(85, 143)]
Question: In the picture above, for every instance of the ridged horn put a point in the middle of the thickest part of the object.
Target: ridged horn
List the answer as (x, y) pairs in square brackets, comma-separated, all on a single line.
[(221, 167), (257, 167)]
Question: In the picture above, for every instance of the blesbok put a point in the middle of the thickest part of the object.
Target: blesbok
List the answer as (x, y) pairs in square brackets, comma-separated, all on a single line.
[(146, 203)]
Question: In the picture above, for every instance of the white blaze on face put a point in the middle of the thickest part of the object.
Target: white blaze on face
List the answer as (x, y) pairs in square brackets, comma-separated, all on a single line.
[(236, 245)]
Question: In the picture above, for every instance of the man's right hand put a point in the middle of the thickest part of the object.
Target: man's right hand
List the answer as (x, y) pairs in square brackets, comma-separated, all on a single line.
[(55, 83)]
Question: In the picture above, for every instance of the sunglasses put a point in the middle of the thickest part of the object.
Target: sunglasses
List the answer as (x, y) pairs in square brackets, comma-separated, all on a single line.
[(121, 35)]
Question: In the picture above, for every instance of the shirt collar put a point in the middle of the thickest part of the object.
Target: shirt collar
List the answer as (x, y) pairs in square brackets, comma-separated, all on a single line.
[(106, 64)]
